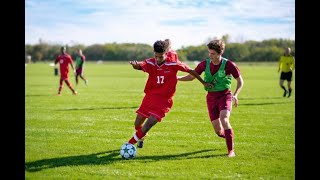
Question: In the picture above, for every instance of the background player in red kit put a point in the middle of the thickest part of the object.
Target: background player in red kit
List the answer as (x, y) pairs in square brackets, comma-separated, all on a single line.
[(64, 59), (171, 54), (159, 90)]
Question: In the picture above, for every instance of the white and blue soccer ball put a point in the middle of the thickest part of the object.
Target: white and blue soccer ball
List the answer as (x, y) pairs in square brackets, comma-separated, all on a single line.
[(128, 151)]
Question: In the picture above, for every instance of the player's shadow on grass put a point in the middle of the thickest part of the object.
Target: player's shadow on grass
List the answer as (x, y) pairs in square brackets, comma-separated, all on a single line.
[(255, 98), (264, 103), (104, 158), (35, 95), (96, 108)]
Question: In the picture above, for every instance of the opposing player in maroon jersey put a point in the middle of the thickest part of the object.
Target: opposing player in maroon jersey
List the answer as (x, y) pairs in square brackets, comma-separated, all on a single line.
[(64, 59), (220, 71), (80, 62), (159, 89)]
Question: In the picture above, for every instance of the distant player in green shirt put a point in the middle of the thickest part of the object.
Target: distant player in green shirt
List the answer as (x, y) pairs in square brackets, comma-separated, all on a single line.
[(80, 59), (286, 66)]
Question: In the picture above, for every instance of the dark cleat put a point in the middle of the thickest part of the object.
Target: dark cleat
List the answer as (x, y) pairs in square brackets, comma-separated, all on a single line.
[(140, 144), (285, 93), (289, 93)]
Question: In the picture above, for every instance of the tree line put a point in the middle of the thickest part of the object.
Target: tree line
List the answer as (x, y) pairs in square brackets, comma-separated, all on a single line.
[(253, 51)]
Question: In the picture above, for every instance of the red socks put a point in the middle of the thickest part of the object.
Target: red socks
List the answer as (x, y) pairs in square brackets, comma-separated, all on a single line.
[(138, 135), (138, 128), (69, 85), (60, 86), (229, 138)]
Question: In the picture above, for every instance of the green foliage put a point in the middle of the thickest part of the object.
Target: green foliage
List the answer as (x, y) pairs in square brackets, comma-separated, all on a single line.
[(194, 53), (267, 50), (236, 52), (79, 137)]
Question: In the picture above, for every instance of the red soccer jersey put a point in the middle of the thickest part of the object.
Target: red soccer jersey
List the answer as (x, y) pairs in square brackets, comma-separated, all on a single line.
[(64, 61), (171, 54), (162, 79)]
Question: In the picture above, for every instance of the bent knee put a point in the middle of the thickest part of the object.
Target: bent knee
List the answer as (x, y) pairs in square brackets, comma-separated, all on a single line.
[(219, 133)]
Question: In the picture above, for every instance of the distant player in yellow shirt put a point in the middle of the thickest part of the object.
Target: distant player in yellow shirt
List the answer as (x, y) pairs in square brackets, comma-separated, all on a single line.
[(286, 66)]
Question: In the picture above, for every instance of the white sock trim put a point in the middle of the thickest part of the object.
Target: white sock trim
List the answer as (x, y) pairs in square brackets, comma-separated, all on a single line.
[(136, 137)]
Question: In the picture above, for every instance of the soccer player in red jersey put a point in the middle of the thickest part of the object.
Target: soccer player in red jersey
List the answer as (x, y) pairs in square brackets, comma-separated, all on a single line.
[(219, 71), (171, 54), (80, 60), (159, 89), (64, 59)]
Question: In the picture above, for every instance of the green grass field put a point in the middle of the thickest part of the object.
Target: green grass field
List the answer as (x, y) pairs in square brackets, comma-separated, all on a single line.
[(79, 137)]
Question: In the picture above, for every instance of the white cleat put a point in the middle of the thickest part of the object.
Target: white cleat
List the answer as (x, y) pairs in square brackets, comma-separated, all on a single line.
[(231, 154)]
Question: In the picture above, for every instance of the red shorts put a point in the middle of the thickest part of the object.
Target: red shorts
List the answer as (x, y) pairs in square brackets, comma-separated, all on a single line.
[(217, 102), (155, 105), (64, 75)]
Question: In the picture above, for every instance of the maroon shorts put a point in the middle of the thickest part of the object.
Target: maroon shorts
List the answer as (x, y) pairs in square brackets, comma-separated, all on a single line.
[(79, 71), (155, 105), (217, 102)]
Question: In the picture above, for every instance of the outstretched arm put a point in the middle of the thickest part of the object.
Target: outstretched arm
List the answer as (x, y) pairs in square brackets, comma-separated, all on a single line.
[(237, 91), (135, 64), (188, 77), (194, 74)]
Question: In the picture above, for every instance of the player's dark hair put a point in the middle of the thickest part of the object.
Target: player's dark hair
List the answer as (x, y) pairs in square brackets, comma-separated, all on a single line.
[(217, 45), (62, 48), (160, 46)]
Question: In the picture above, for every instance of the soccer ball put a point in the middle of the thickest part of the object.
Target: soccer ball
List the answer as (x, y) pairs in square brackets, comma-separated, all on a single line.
[(128, 151)]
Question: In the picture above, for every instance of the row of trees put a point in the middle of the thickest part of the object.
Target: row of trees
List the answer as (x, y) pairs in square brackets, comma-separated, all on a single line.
[(266, 50)]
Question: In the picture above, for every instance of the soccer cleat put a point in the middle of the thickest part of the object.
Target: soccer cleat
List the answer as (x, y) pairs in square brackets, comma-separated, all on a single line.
[(285, 93), (74, 93), (140, 144), (58, 94), (86, 82), (231, 154), (289, 93)]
